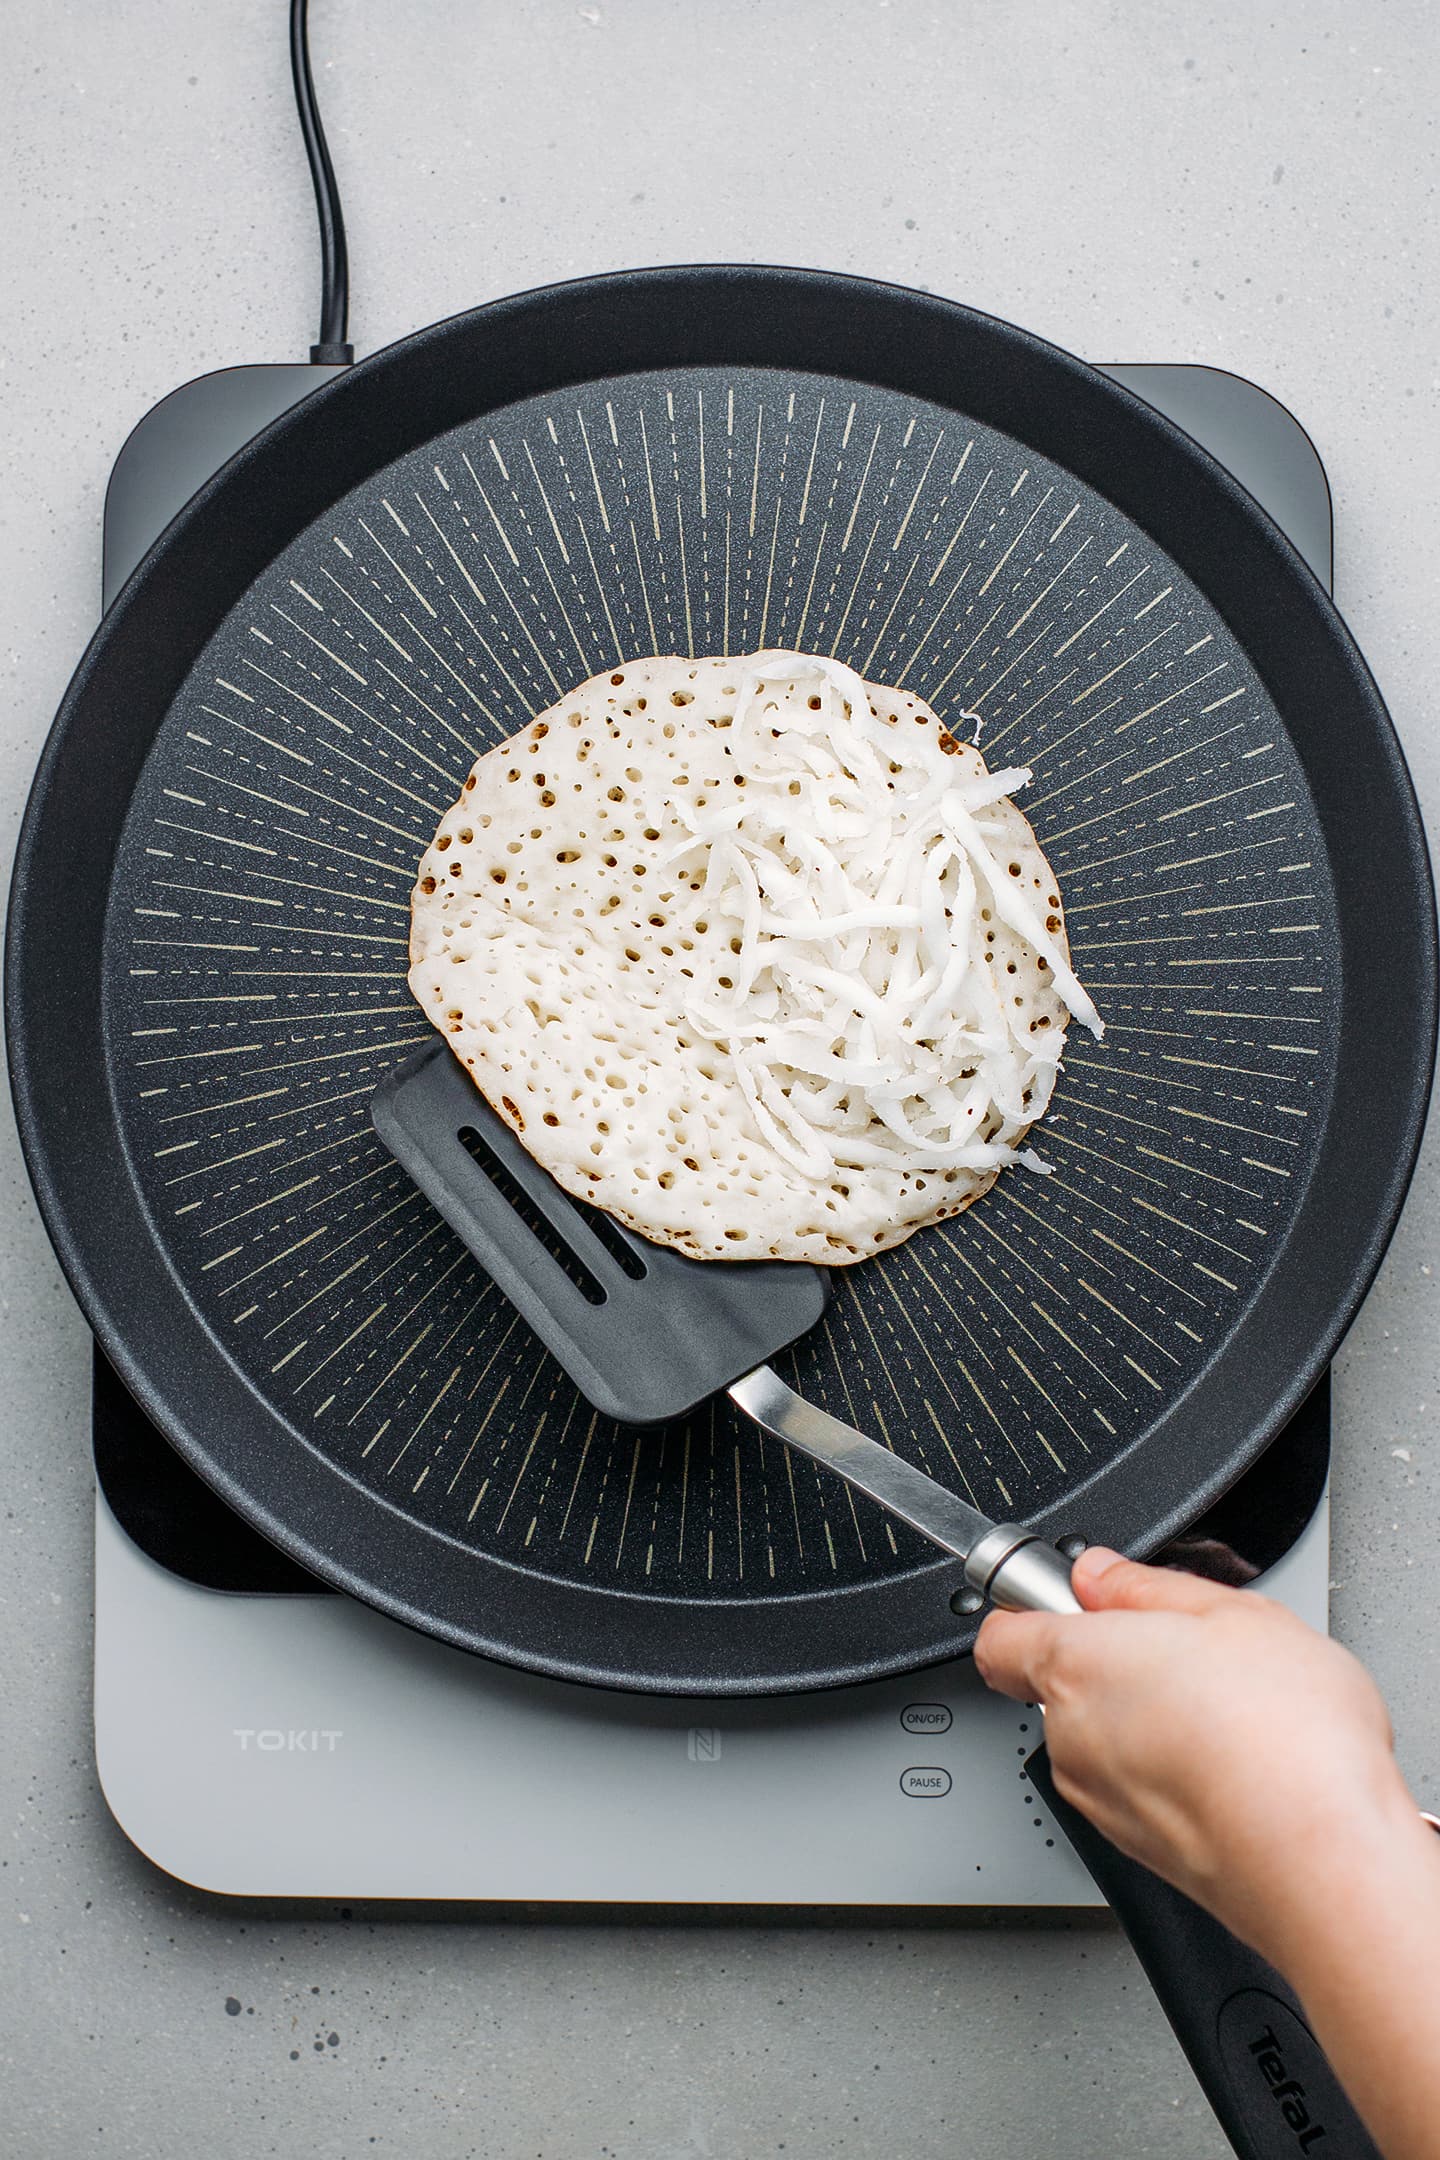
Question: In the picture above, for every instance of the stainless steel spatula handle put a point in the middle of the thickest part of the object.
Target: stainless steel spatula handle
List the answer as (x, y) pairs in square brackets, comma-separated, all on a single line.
[(1012, 1567)]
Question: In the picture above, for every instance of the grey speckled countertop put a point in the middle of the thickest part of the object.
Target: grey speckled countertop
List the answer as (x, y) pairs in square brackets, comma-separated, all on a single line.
[(1253, 187)]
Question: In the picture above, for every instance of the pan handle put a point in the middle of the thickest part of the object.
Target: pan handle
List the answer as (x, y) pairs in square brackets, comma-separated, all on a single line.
[(1241, 2026)]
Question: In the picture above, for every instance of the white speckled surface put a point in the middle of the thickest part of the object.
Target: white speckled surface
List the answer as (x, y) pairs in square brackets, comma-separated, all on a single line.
[(1254, 188)]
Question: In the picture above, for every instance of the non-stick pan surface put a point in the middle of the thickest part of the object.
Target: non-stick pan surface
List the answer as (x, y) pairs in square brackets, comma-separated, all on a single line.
[(208, 943)]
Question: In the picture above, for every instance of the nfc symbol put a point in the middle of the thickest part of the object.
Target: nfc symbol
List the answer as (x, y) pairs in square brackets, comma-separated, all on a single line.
[(703, 1744)]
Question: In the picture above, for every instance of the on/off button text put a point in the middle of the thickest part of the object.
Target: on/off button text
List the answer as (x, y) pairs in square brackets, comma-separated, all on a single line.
[(926, 1781), (921, 1717)]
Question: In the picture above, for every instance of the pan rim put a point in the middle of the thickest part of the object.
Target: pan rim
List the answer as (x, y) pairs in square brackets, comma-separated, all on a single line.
[(913, 1607)]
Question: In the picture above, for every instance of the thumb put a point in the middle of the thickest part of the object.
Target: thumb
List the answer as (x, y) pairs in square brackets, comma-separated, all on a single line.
[(1105, 1582)]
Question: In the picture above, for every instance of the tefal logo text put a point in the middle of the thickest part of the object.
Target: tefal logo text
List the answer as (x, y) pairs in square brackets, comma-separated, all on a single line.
[(1287, 2092)]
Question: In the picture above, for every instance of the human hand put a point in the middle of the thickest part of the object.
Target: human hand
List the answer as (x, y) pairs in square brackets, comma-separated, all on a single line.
[(1209, 1734)]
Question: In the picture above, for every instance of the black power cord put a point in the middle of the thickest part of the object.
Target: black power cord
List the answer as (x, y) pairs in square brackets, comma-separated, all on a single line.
[(333, 347)]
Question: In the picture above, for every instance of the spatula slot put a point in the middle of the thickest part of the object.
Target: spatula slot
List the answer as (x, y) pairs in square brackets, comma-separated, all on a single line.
[(613, 1238), (644, 1332), (540, 1228)]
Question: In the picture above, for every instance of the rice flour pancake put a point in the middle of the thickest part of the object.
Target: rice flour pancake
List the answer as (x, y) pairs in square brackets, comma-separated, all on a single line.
[(753, 955)]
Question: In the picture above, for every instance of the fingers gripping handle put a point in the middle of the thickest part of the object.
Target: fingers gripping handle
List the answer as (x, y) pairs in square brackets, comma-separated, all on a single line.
[(1241, 2026)]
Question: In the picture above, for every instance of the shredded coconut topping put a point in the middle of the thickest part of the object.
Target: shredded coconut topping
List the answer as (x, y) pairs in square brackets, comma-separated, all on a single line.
[(752, 953), (864, 1023)]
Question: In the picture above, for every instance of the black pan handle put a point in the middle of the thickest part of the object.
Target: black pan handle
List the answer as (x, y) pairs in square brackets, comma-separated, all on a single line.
[(1241, 2026)]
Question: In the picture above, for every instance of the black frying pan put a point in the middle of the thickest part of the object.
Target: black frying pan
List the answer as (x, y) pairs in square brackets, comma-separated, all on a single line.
[(206, 956)]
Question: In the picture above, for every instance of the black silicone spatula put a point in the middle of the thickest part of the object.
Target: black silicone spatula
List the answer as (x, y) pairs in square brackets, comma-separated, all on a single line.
[(646, 1334)]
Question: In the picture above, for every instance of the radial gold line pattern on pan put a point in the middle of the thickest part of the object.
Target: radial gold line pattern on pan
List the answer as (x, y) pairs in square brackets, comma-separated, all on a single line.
[(1127, 755), (1056, 1296), (982, 1283), (329, 726)]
